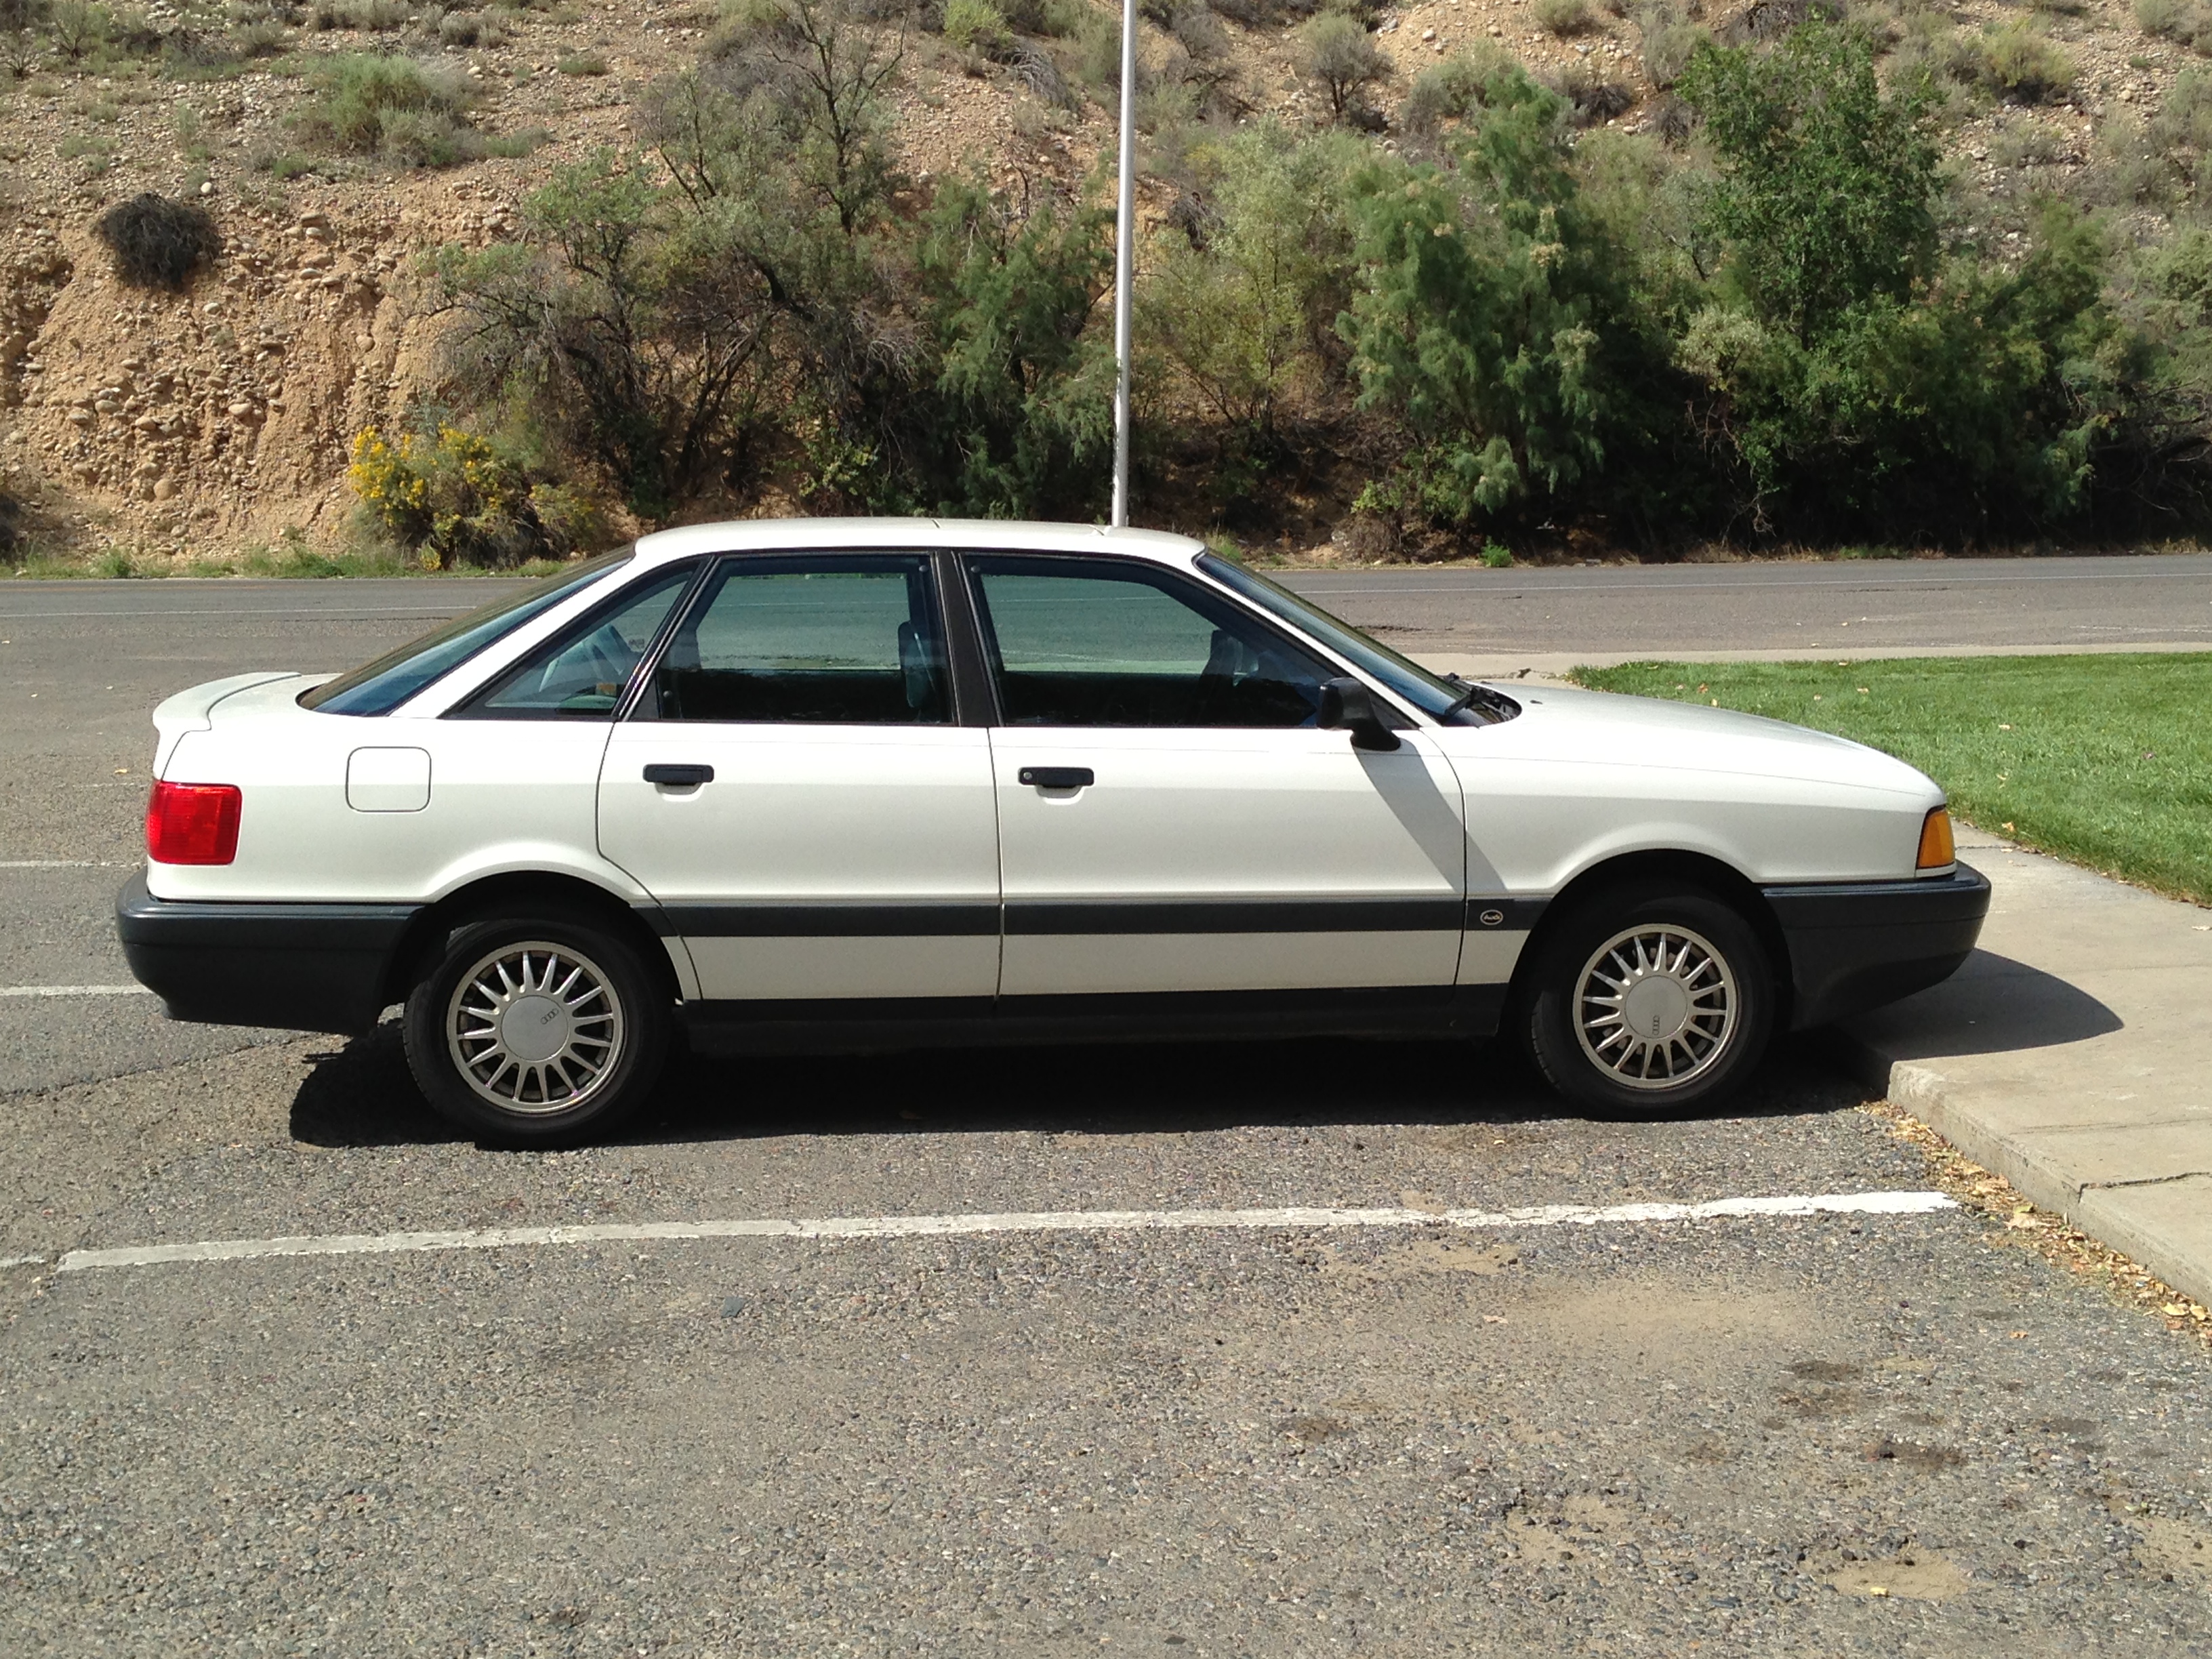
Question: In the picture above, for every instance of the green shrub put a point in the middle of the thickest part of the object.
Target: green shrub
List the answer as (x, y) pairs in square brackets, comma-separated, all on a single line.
[(1669, 41), (582, 64), (1563, 17), (1450, 91), (371, 16), (403, 112), (1343, 57), (973, 25), (77, 28), (1931, 49), (2019, 61), (158, 243), (2186, 21)]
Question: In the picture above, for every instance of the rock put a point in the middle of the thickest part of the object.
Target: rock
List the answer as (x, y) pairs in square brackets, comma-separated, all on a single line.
[(164, 489)]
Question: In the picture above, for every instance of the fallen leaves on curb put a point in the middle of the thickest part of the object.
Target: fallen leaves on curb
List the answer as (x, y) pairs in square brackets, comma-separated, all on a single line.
[(2048, 1235)]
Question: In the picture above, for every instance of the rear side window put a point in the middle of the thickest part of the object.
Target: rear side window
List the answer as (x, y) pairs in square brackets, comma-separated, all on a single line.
[(379, 687), (582, 674), (836, 638)]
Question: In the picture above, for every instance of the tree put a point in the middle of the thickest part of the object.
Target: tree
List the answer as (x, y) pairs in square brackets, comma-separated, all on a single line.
[(1825, 184), (1249, 315), (641, 336), (1021, 403), (1497, 321)]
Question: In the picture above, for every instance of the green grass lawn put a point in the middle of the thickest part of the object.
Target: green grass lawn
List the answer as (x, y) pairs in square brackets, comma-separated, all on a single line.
[(2105, 760)]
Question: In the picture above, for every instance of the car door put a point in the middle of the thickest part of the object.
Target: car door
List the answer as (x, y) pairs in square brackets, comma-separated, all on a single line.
[(793, 788), (1172, 818), (508, 778)]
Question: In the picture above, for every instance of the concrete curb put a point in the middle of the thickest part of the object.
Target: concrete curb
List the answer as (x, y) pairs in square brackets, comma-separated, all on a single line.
[(2100, 1120), (2152, 1221)]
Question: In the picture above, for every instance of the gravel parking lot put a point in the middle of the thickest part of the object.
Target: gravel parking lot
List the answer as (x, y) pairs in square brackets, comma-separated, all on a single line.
[(1830, 1433)]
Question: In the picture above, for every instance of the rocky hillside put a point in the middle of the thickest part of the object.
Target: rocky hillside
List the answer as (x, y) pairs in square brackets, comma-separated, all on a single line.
[(192, 425)]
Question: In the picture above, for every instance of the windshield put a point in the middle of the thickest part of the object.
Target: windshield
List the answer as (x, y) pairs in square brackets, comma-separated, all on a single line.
[(381, 686), (1439, 698)]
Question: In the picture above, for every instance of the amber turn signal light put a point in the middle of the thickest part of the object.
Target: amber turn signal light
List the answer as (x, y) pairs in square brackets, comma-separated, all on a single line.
[(1936, 848)]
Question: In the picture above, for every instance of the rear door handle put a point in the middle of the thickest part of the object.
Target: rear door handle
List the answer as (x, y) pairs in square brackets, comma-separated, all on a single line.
[(684, 776), (1058, 777)]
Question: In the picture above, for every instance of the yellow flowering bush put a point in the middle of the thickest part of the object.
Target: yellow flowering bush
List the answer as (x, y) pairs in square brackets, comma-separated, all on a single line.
[(455, 497)]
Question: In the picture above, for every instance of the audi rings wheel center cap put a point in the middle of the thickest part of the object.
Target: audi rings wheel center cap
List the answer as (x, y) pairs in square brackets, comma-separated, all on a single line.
[(534, 1028), (1655, 1009)]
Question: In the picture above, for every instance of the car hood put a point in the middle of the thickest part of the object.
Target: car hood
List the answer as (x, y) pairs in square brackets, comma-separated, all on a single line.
[(1603, 728)]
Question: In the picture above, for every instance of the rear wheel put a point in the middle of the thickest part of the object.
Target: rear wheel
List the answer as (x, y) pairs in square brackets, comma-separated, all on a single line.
[(1650, 1000), (537, 1030)]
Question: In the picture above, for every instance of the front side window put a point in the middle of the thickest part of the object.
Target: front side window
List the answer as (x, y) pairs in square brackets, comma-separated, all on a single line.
[(1439, 698), (836, 638), (379, 687), (1097, 642), (582, 673)]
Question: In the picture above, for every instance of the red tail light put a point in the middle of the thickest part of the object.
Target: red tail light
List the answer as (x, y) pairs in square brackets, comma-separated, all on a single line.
[(193, 823)]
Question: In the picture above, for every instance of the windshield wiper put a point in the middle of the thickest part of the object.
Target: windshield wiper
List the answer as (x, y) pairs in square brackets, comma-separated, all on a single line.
[(1496, 702)]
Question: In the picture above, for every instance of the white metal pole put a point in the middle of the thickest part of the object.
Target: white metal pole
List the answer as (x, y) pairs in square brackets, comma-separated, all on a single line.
[(1125, 236)]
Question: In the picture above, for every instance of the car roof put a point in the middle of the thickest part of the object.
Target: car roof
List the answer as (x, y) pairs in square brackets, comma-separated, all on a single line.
[(991, 535)]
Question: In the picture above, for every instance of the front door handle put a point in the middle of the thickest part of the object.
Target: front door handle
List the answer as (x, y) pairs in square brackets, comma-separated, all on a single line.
[(1058, 777), (685, 777)]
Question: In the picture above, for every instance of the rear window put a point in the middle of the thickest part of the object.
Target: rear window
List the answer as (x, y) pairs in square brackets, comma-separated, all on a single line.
[(381, 686)]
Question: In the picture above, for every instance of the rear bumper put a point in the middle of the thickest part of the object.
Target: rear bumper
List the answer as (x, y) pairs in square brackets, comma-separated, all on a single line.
[(1856, 945), (295, 967)]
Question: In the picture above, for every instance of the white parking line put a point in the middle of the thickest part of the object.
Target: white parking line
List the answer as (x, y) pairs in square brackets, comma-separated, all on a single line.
[(1034, 1221), (74, 991), (54, 864)]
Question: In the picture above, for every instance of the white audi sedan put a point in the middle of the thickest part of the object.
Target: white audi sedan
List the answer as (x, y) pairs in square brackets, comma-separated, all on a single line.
[(879, 783)]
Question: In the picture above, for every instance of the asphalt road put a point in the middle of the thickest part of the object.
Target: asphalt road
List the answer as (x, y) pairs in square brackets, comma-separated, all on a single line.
[(1558, 617), (1299, 1438)]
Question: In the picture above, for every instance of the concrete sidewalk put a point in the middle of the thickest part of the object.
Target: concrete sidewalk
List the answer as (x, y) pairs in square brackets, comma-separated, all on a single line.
[(2072, 1056)]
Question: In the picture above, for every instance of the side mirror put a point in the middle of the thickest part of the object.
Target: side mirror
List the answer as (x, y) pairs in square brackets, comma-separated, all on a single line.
[(1347, 705)]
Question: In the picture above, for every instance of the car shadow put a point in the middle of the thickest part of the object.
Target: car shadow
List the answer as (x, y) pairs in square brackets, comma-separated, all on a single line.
[(361, 1095), (1993, 1004)]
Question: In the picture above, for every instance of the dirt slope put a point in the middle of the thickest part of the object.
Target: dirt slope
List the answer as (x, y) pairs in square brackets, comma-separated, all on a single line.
[(180, 427)]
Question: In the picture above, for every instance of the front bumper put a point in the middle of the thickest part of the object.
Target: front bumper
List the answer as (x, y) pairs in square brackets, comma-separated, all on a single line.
[(295, 967), (1854, 946)]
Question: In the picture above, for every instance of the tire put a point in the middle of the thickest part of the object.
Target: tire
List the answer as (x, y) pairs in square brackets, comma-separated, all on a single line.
[(526, 1072), (1707, 1018)]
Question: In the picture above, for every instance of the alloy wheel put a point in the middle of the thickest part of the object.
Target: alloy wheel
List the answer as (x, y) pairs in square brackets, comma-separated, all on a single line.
[(535, 1028), (1656, 1006)]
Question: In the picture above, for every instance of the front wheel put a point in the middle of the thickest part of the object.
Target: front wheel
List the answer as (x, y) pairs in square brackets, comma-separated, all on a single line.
[(536, 1031), (1648, 1000)]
